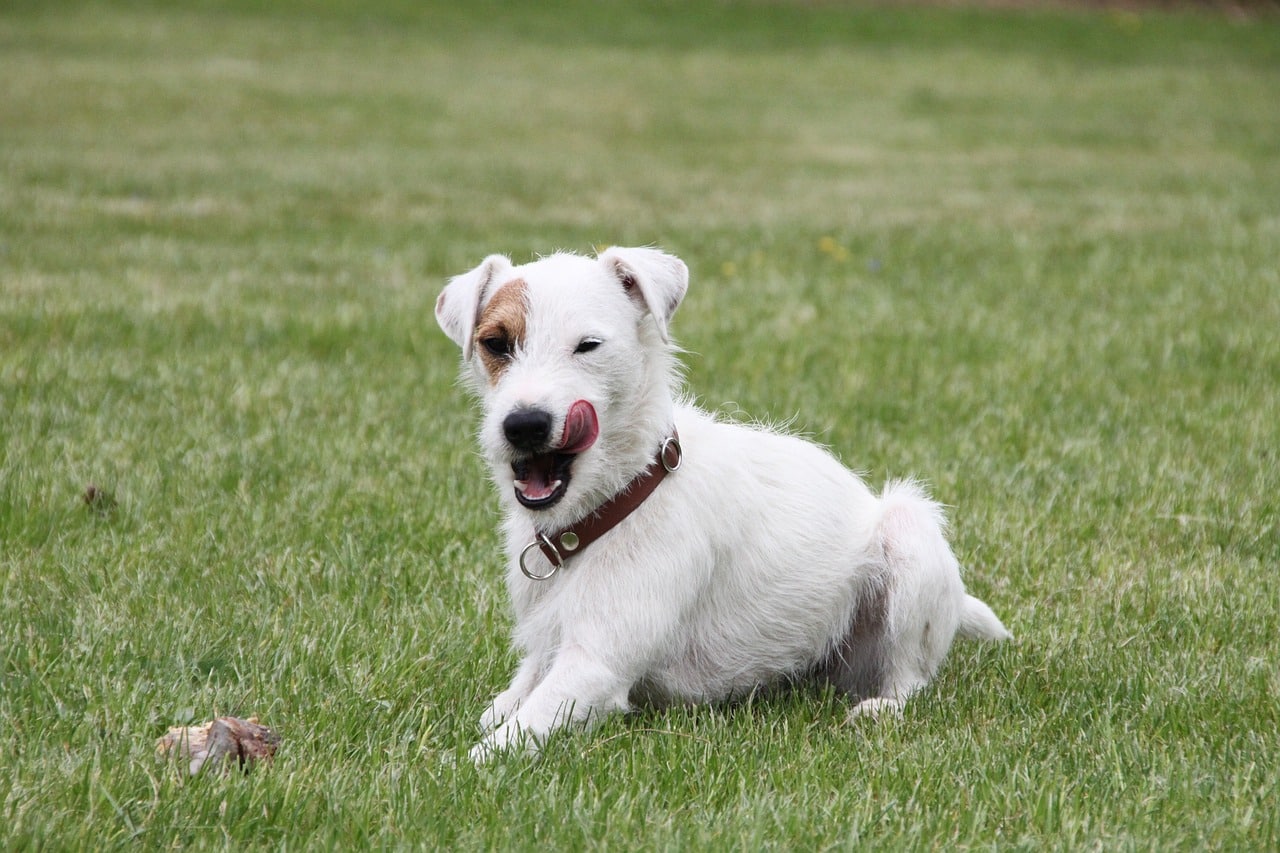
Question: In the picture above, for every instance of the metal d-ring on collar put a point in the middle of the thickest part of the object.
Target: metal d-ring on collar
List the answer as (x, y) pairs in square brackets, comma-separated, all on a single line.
[(559, 546), (671, 446), (541, 541)]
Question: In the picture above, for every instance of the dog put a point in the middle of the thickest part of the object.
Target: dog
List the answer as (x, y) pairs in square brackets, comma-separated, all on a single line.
[(657, 555)]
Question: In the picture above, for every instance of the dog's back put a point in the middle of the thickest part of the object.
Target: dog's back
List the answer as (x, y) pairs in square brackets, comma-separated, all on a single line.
[(808, 572)]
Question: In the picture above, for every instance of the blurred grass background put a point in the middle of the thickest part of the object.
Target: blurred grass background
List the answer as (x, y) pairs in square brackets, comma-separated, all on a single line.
[(1027, 254)]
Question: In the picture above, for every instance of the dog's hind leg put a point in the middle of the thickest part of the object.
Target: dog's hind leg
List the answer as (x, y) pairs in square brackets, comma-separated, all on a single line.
[(922, 598), (856, 664)]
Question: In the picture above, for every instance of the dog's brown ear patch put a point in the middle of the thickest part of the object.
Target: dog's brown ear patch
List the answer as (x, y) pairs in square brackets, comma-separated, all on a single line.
[(500, 330)]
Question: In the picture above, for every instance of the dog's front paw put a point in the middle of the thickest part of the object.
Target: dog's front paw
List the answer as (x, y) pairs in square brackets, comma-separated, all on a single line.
[(507, 737), (483, 752), (489, 720), (502, 708)]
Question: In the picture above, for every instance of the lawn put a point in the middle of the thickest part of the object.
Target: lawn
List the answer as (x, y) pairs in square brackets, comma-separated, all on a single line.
[(1032, 257)]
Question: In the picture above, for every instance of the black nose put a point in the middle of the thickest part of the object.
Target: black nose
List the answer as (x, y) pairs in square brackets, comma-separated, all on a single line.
[(527, 429)]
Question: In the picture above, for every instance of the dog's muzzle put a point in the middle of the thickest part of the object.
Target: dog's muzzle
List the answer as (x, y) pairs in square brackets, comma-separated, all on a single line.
[(542, 472)]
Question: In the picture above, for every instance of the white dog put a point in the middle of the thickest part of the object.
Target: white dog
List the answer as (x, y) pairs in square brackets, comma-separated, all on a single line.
[(723, 557)]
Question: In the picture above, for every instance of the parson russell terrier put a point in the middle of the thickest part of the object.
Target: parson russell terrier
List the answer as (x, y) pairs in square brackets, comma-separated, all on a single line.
[(657, 555)]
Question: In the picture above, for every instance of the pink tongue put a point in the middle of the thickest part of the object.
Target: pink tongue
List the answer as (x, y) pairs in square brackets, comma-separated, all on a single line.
[(581, 428), (538, 484)]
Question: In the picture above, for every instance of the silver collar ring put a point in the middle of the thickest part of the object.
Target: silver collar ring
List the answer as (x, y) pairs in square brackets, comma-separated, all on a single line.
[(672, 444), (540, 540)]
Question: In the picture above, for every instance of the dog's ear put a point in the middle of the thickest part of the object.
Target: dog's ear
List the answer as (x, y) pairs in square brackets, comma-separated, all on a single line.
[(655, 279), (458, 308)]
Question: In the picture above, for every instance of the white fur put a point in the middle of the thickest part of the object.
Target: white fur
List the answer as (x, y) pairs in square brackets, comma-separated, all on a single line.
[(761, 560)]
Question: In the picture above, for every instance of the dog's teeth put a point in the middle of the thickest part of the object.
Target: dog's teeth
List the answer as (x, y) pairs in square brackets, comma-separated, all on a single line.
[(539, 491)]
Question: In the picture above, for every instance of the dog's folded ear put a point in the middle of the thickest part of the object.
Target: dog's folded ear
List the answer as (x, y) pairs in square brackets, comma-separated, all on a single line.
[(655, 279), (458, 308)]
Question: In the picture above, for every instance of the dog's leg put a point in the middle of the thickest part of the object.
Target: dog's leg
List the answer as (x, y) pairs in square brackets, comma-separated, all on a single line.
[(921, 603), (504, 705), (576, 688), (857, 664)]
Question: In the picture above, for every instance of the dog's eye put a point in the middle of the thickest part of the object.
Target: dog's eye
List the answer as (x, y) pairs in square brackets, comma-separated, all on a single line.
[(587, 345), (497, 346)]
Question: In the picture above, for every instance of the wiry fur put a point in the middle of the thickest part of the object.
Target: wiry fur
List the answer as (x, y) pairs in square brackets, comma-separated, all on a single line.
[(760, 561)]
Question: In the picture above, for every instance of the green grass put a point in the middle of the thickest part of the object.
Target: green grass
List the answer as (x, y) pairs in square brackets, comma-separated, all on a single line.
[(1030, 257)]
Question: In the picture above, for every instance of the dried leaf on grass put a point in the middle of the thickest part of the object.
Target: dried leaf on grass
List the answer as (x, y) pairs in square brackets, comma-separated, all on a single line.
[(244, 740)]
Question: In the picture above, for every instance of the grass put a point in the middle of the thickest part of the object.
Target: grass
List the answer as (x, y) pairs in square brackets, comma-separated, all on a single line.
[(1029, 256)]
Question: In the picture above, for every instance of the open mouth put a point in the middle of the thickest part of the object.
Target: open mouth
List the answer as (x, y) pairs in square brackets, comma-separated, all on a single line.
[(541, 479)]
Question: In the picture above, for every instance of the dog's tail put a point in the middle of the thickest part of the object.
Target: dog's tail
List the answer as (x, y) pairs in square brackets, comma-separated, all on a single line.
[(979, 622), (905, 502)]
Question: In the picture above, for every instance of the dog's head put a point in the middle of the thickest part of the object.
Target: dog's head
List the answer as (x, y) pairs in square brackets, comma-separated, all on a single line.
[(573, 361)]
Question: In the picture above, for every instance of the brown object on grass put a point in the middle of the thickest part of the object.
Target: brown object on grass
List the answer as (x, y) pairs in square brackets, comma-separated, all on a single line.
[(223, 737), (98, 499)]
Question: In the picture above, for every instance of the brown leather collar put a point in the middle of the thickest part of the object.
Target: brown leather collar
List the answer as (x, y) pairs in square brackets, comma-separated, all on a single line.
[(570, 541)]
